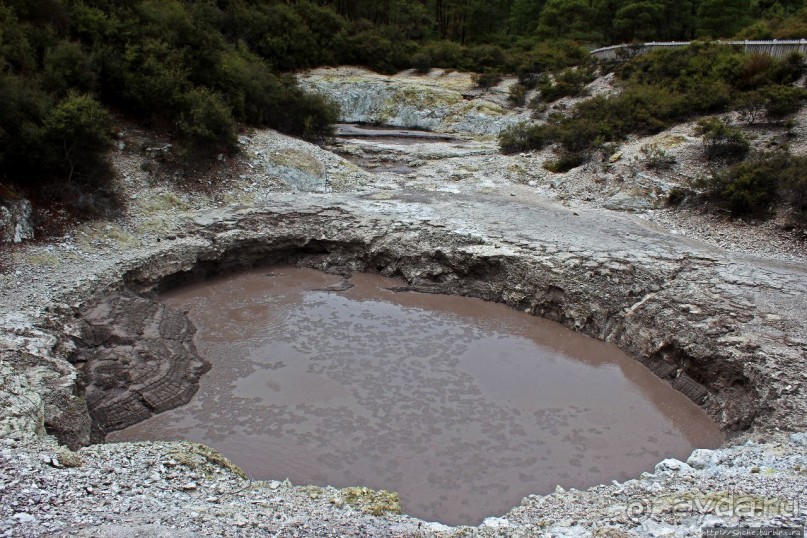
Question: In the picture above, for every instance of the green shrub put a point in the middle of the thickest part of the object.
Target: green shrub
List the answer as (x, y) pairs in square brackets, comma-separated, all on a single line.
[(751, 106), (566, 161), (754, 186), (721, 141), (206, 121), (376, 48), (782, 101), (487, 79), (446, 54), (67, 67), (517, 94), (677, 196), (488, 58), (547, 56), (78, 128), (422, 62), (655, 158), (687, 68), (750, 190), (641, 109), (524, 137), (317, 112), (793, 187), (570, 82)]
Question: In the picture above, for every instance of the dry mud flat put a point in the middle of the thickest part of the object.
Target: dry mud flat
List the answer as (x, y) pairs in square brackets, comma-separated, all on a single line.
[(724, 327)]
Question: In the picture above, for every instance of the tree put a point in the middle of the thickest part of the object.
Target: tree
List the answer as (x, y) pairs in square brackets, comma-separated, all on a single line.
[(206, 121), (639, 20), (566, 18), (524, 16), (722, 18), (78, 129), (630, 20)]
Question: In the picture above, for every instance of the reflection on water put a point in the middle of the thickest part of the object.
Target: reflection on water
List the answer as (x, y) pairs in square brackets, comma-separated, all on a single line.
[(462, 406)]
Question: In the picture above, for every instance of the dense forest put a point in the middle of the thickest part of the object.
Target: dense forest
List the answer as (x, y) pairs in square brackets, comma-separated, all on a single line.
[(198, 69)]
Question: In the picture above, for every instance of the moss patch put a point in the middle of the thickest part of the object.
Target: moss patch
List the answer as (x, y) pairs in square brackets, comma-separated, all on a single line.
[(156, 226), (43, 259), (203, 458), (239, 197), (299, 160), (161, 202), (372, 502), (478, 107), (669, 141), (423, 98), (108, 233), (68, 458)]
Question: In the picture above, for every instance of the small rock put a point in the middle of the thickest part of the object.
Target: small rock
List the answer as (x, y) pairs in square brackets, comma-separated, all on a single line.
[(623, 201), (23, 517), (68, 458), (799, 438), (652, 528), (701, 458), (495, 522), (672, 465)]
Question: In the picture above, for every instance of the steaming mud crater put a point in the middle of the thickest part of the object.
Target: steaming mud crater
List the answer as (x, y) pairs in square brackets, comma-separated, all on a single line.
[(461, 406)]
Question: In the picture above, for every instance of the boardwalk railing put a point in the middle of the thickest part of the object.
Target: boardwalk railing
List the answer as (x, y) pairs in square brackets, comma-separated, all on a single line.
[(775, 48)]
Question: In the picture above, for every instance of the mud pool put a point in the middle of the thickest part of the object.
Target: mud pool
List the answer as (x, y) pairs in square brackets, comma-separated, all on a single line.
[(461, 406)]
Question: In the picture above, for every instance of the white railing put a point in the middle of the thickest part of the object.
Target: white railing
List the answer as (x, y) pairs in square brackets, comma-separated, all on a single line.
[(776, 48)]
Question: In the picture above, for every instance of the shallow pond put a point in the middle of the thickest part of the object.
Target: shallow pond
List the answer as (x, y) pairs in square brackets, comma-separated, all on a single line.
[(460, 405)]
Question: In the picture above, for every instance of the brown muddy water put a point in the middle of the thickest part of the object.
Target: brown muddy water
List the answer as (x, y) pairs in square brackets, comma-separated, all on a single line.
[(460, 405)]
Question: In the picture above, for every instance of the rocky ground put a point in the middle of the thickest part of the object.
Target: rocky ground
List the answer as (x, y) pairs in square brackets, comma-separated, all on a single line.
[(715, 307)]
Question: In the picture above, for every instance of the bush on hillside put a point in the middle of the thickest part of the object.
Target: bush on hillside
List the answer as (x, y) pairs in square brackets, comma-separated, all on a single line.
[(570, 82), (487, 79), (754, 186), (722, 141), (517, 95), (781, 101), (566, 161), (664, 87)]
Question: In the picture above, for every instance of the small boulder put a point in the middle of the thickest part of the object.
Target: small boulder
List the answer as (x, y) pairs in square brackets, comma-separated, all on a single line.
[(701, 458), (799, 438), (623, 201), (672, 465), (16, 221)]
